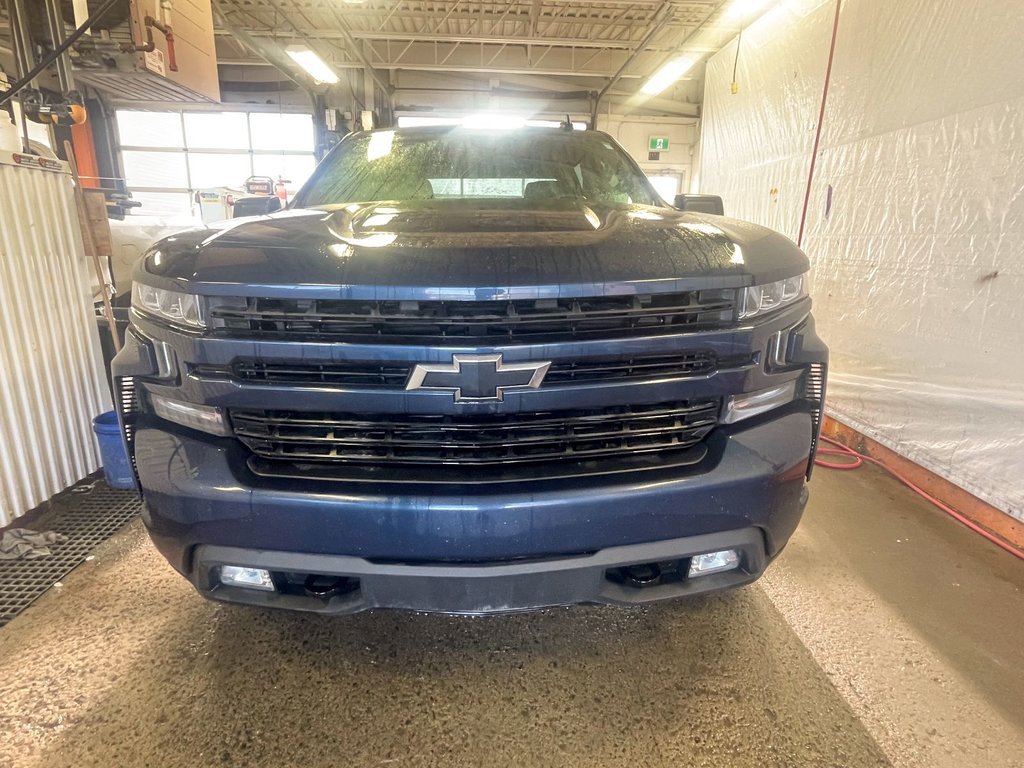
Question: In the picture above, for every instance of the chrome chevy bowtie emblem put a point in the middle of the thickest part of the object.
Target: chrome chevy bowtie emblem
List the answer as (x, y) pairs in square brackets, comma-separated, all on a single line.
[(477, 378)]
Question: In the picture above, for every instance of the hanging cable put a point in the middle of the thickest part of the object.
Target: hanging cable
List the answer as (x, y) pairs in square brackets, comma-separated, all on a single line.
[(735, 63), (821, 120), (57, 52)]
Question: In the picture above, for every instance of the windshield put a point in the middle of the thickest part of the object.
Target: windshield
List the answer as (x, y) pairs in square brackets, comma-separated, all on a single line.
[(534, 166)]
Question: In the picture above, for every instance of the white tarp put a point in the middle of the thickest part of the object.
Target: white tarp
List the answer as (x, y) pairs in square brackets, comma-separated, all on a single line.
[(915, 228)]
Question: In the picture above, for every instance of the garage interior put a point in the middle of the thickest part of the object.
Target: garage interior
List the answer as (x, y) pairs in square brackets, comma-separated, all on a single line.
[(886, 139)]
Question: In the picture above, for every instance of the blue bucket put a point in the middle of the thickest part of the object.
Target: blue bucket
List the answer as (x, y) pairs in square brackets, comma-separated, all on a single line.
[(116, 467)]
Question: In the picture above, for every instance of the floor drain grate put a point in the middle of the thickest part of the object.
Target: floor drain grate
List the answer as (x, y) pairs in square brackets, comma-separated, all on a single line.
[(87, 516)]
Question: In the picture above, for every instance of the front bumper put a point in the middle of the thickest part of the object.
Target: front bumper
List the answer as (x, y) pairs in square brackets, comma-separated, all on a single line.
[(480, 589), (475, 550)]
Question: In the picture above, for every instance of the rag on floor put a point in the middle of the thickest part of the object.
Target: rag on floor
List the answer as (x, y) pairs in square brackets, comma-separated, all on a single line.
[(21, 543)]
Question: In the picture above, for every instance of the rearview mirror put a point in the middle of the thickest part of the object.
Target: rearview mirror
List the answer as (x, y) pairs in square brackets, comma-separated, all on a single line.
[(258, 205), (700, 204)]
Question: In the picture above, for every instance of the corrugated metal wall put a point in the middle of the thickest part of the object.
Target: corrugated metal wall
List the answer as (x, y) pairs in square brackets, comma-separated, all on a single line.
[(52, 381)]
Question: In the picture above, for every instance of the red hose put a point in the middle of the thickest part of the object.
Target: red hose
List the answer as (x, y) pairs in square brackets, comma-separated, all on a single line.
[(838, 449)]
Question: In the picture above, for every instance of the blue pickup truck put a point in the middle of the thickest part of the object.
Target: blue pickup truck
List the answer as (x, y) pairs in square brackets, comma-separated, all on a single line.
[(471, 371)]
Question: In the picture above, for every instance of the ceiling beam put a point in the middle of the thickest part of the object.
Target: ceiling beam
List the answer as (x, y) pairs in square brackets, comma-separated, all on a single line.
[(357, 51), (657, 24), (268, 50), (426, 37)]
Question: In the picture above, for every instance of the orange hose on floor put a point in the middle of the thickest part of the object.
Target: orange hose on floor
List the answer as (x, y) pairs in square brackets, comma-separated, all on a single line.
[(838, 449)]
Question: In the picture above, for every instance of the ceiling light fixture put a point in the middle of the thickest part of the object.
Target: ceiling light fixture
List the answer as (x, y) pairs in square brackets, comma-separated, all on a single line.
[(494, 122), (668, 74), (741, 9), (312, 64)]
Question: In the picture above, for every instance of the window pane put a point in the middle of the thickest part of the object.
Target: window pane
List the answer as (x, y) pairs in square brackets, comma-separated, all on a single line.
[(162, 204), (667, 186), (155, 169), (446, 187), (149, 129), (289, 132), (492, 187), (541, 166), (210, 170), (294, 169), (216, 130), (36, 131)]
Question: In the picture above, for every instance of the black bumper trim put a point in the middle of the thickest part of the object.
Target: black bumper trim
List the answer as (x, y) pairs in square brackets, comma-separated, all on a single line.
[(482, 589)]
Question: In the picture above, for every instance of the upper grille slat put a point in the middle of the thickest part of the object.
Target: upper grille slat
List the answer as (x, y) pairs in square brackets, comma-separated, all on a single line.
[(365, 375), (439, 321)]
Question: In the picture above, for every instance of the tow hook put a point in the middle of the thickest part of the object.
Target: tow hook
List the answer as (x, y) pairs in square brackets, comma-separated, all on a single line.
[(642, 575), (324, 586)]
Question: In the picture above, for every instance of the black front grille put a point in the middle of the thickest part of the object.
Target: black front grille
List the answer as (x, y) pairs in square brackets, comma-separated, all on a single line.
[(439, 321), (363, 375), (641, 367), (342, 374), (619, 431)]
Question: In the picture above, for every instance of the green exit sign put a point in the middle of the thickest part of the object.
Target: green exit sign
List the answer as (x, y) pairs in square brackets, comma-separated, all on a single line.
[(658, 143)]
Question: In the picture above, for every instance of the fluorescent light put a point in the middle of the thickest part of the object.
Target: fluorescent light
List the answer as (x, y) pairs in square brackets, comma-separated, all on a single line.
[(415, 121), (494, 122), (667, 75), (314, 66), (484, 120), (740, 9), (380, 144)]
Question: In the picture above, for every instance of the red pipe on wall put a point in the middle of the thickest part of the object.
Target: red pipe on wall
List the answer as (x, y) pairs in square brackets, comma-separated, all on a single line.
[(821, 120), (168, 34)]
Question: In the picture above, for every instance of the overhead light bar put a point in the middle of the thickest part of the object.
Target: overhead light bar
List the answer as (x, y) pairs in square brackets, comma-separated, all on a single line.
[(312, 64), (494, 122), (415, 121), (667, 75)]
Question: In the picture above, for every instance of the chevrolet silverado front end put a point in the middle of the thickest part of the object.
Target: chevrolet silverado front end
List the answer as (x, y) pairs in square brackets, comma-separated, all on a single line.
[(472, 372)]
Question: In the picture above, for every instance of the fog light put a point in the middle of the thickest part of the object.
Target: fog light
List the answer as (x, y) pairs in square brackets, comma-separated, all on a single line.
[(714, 562), (249, 578)]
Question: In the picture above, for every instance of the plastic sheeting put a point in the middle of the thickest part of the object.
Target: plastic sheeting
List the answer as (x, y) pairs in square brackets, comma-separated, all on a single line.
[(915, 228)]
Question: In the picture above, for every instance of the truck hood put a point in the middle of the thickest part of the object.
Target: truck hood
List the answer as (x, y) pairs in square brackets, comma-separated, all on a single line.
[(471, 249)]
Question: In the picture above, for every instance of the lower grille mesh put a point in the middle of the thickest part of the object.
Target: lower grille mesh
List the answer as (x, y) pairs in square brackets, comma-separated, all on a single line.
[(477, 441)]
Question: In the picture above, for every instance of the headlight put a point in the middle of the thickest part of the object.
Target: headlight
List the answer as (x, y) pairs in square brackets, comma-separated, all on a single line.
[(174, 307), (760, 299)]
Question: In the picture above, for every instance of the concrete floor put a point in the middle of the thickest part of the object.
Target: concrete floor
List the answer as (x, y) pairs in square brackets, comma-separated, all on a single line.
[(885, 635)]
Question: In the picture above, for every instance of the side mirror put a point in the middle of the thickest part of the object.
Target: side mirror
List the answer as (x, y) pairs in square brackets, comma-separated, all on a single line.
[(700, 204), (258, 205)]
